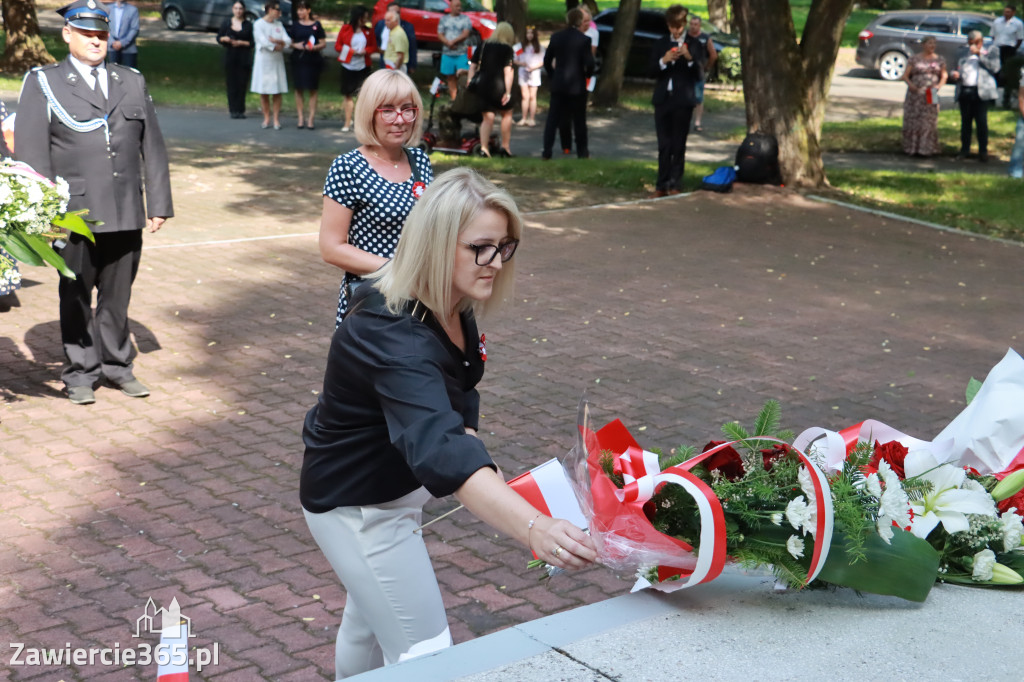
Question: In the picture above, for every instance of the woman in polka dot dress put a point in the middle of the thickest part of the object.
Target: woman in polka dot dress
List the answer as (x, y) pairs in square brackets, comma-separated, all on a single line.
[(370, 190)]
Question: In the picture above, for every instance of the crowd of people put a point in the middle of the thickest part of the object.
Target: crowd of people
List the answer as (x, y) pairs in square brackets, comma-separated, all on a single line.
[(978, 75)]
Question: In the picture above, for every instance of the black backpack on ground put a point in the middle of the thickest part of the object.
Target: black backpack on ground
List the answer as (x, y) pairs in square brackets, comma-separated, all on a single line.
[(757, 160)]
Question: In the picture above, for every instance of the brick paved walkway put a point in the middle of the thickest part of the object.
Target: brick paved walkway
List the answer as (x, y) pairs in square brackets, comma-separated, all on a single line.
[(675, 315)]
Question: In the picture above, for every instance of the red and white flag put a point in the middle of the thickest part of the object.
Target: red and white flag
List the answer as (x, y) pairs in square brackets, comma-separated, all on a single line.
[(345, 55), (172, 653), (547, 488), (518, 49)]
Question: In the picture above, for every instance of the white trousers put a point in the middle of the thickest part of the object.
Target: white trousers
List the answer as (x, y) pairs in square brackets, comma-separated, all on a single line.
[(393, 609)]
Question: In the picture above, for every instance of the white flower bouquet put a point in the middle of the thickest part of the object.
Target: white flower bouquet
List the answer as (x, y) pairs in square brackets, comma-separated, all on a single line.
[(33, 210)]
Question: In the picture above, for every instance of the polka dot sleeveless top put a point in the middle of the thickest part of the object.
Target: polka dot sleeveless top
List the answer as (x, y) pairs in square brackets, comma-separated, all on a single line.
[(379, 207)]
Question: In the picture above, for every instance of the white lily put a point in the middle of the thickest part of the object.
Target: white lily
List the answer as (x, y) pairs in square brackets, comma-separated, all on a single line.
[(949, 501)]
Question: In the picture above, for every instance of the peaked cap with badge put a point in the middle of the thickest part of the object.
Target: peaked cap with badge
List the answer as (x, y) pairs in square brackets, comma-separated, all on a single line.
[(88, 15)]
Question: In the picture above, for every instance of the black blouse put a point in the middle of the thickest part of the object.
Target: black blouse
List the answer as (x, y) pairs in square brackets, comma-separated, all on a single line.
[(245, 34), (398, 396)]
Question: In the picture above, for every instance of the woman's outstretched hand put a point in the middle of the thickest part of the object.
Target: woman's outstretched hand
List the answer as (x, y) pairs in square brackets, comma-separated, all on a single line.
[(561, 544)]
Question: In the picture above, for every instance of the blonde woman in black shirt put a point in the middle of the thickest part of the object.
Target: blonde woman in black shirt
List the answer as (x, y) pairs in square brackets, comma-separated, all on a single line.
[(396, 423)]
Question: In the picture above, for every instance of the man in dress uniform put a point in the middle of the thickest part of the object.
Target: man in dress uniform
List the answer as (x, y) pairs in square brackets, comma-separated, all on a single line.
[(94, 125)]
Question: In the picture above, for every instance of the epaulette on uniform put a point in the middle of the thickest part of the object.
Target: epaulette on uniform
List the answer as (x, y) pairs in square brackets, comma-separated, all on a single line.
[(126, 68)]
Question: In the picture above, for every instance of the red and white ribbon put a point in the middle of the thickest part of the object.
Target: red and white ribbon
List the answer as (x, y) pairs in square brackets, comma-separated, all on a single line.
[(643, 476)]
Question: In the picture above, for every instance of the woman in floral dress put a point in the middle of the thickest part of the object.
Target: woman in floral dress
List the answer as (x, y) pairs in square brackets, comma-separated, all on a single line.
[(925, 75)]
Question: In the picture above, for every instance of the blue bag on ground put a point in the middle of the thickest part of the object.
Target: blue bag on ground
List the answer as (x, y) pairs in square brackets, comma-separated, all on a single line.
[(720, 181)]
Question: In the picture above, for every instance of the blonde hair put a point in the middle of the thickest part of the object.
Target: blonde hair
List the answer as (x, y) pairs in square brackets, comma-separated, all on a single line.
[(424, 262), (503, 33), (383, 87)]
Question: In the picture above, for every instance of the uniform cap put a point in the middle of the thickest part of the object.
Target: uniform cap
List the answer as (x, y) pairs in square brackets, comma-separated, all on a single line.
[(88, 15)]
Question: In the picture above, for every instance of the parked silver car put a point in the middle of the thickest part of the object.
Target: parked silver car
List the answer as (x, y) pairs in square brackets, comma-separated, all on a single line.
[(890, 39), (210, 14)]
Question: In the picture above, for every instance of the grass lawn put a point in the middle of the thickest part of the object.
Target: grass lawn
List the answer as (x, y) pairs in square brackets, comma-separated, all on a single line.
[(983, 204), (884, 135)]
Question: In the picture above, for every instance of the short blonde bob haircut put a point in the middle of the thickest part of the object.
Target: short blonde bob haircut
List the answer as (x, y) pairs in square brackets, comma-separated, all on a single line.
[(386, 86), (424, 262), (504, 33)]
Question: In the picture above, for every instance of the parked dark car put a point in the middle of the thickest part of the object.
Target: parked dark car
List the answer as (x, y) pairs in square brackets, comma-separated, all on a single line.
[(890, 39), (424, 15), (210, 14), (650, 25)]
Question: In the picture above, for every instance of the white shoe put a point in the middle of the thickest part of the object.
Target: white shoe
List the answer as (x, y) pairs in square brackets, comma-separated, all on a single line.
[(345, 129)]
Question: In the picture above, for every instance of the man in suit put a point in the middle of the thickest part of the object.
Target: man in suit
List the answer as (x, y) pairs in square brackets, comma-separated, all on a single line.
[(124, 29), (677, 74), (93, 124), (976, 90), (568, 62), (410, 33)]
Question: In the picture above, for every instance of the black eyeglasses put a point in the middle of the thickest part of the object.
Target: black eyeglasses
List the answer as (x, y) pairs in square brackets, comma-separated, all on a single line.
[(488, 252), (390, 115)]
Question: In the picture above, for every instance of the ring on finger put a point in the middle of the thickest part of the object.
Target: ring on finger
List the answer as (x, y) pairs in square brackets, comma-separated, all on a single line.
[(558, 551)]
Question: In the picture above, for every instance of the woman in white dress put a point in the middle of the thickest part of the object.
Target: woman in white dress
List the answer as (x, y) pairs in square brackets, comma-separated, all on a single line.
[(269, 79), (530, 64)]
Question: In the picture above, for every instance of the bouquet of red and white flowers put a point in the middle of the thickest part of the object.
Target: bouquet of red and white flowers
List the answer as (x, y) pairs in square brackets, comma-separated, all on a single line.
[(868, 507)]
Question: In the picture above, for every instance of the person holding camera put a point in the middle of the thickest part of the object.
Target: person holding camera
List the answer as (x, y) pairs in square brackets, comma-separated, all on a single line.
[(676, 73)]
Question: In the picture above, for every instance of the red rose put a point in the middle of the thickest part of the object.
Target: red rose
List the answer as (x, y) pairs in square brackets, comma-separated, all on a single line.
[(726, 460), (893, 453), (773, 454)]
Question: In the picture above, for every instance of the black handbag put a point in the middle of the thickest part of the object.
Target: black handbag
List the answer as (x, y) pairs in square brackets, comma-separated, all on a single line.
[(474, 83)]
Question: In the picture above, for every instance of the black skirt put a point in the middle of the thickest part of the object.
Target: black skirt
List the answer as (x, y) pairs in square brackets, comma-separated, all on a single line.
[(352, 81)]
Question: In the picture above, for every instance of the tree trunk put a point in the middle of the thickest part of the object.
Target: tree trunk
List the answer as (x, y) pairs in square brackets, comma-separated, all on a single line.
[(718, 14), (936, 4), (25, 47), (785, 83), (514, 12), (613, 68)]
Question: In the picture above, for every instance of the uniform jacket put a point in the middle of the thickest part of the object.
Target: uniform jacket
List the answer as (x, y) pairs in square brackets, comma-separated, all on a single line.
[(682, 74), (568, 62), (989, 62), (127, 31), (107, 178)]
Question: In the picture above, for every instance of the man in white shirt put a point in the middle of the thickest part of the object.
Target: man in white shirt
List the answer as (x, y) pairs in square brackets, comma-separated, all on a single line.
[(1007, 35), (976, 89)]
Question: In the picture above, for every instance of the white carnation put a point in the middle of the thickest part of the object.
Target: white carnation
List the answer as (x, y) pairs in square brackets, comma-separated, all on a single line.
[(1013, 529), (984, 562), (795, 546), (798, 513)]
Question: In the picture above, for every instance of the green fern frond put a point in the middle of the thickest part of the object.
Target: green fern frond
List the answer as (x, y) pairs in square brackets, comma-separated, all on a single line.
[(683, 453), (768, 419), (734, 431)]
